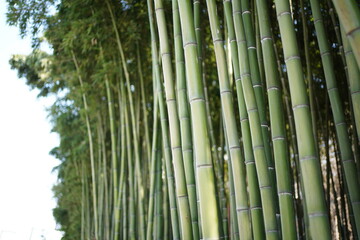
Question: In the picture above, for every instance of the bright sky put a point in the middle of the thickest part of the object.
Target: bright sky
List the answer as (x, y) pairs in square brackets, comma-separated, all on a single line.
[(26, 199)]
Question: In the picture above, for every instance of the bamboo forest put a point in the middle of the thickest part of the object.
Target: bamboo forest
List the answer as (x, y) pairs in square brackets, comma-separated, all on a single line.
[(191, 119)]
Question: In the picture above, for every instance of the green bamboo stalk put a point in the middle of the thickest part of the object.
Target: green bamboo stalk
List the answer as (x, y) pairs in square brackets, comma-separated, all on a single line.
[(297, 178), (104, 162), (185, 124), (309, 163), (278, 132), (338, 34), (259, 51), (174, 126), (235, 234), (264, 177), (308, 78), (122, 183), (132, 212), (91, 147), (166, 232), (210, 224), (354, 87), (83, 203), (349, 15), (114, 159), (257, 85), (134, 128), (100, 184), (143, 103), (88, 234), (164, 126), (218, 163), (254, 193), (347, 158), (124, 213), (354, 76), (158, 221), (154, 160), (238, 166)]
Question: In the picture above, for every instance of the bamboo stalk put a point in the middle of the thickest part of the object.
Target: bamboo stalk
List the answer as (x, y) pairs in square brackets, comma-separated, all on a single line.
[(347, 158), (91, 147), (264, 177), (257, 220), (349, 15), (210, 224), (164, 127), (238, 166), (185, 124), (278, 133), (309, 164)]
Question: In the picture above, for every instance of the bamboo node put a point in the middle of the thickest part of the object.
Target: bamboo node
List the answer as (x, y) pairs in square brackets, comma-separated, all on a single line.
[(242, 209), (317, 20), (165, 54), (319, 214), (252, 110), (331, 89), (356, 92), (325, 53), (225, 91), (255, 208), (278, 138), (156, 9), (340, 123), (266, 38), (205, 165), (250, 162), (300, 106), (308, 158), (189, 43), (218, 40), (352, 31), (273, 88), (175, 148), (348, 52), (283, 13), (234, 147), (258, 147), (245, 75), (294, 57), (285, 193), (196, 99)]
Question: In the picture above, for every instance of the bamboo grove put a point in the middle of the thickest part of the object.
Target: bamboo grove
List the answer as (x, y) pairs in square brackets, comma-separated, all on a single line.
[(233, 119)]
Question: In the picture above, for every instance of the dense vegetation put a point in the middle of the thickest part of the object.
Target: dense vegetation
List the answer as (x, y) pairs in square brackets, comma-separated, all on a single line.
[(234, 119)]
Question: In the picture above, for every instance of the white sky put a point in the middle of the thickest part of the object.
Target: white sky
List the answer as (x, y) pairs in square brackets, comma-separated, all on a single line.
[(26, 200)]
